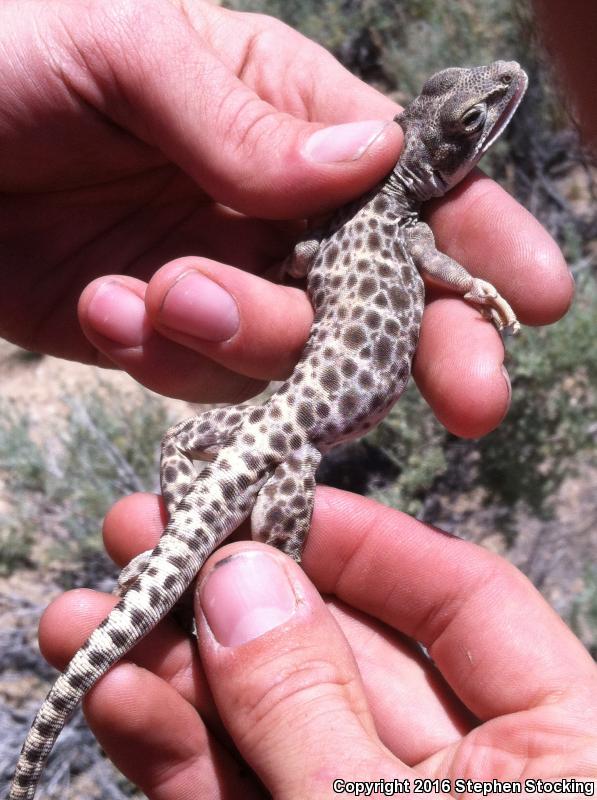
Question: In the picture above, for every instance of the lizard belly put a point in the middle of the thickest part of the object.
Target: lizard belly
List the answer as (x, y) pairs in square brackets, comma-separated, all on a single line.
[(357, 360)]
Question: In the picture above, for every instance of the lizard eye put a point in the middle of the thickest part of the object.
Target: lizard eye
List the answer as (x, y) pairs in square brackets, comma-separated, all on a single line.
[(474, 118)]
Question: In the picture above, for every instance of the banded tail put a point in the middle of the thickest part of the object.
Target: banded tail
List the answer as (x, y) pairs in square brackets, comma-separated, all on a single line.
[(205, 516)]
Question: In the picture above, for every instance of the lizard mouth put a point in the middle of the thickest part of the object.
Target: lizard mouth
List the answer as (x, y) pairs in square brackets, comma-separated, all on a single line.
[(517, 93)]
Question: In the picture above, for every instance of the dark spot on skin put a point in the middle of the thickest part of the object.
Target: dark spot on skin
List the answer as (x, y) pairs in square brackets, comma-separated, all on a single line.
[(365, 379), (97, 658), (289, 524), (374, 240), (59, 703), (34, 754), (391, 327), (169, 582), (352, 281), (288, 486), (315, 281), (382, 350), (398, 299), (137, 617), (331, 254), (295, 441), (229, 491), (349, 367), (380, 204), (354, 336), (250, 460), (348, 403), (256, 415), (274, 516), (323, 410), (330, 380), (118, 637), (381, 300), (243, 482), (305, 416), (372, 319), (43, 728), (362, 265), (154, 596), (367, 286), (277, 442), (357, 312), (170, 474)]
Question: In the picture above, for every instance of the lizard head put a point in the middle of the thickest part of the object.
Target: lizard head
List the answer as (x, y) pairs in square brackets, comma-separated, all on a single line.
[(453, 122)]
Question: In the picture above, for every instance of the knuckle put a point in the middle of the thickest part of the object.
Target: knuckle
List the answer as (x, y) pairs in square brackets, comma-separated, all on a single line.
[(291, 695)]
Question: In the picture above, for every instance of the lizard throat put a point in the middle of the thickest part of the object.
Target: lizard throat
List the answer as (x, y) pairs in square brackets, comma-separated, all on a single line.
[(418, 183)]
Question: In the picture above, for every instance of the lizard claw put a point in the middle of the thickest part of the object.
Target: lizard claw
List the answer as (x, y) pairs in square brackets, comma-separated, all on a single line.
[(492, 305)]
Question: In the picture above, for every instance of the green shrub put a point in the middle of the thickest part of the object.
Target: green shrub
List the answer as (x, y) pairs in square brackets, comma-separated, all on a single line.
[(62, 482)]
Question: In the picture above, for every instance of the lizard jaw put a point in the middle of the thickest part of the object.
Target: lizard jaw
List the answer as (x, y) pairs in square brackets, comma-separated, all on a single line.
[(506, 114)]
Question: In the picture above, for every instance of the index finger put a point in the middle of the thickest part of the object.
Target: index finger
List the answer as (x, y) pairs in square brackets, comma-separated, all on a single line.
[(489, 631)]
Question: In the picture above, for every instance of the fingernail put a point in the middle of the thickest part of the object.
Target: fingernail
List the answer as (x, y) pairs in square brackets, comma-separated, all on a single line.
[(345, 142), (118, 313), (245, 596), (199, 307)]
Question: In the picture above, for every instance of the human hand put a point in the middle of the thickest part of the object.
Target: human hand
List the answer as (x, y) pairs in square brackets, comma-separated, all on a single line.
[(129, 131), (306, 691)]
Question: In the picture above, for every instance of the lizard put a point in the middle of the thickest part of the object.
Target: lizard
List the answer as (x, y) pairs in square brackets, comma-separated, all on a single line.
[(364, 269)]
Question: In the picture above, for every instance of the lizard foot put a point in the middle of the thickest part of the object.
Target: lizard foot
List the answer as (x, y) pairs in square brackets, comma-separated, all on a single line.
[(492, 305), (130, 573)]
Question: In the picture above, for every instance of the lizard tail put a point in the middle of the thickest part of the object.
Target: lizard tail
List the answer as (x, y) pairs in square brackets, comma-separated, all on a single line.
[(195, 529)]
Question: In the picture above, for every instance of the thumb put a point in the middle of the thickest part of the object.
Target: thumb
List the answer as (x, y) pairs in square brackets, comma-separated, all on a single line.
[(283, 676), (161, 79)]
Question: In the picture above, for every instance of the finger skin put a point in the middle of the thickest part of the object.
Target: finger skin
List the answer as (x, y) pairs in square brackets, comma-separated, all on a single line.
[(135, 710), (430, 716), (157, 739), (483, 228), (459, 368), (490, 633), (275, 320), (299, 676), (156, 362)]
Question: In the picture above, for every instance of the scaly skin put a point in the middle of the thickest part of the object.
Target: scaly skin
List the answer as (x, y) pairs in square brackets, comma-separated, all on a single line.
[(365, 282)]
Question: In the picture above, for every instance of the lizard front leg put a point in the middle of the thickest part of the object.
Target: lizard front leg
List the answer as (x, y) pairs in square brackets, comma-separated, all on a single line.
[(446, 272), (299, 263)]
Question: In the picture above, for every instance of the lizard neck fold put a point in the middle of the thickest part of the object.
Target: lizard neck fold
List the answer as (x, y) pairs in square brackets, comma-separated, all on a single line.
[(414, 183)]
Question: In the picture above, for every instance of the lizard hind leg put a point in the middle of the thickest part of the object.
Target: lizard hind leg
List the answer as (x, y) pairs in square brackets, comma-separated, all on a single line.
[(282, 512), (196, 438)]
